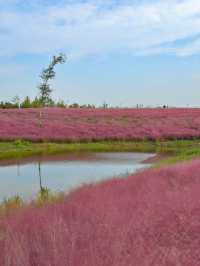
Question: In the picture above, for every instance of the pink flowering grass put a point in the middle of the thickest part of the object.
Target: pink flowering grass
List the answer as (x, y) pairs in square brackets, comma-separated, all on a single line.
[(150, 218), (54, 124)]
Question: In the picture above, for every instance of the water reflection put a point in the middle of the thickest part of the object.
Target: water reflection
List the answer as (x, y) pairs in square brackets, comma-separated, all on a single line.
[(40, 175), (66, 172)]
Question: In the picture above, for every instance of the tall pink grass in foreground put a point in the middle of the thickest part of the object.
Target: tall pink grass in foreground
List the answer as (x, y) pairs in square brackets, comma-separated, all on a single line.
[(151, 218), (98, 124)]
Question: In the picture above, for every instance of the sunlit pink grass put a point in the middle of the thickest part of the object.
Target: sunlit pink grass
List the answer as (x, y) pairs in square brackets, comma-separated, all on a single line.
[(99, 124), (151, 218)]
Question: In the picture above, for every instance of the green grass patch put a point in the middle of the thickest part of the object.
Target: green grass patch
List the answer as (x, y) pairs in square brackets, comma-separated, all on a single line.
[(180, 155), (20, 149), (176, 149)]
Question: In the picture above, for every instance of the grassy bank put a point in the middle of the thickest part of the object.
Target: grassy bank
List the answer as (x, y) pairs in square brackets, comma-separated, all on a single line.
[(179, 149), (22, 149)]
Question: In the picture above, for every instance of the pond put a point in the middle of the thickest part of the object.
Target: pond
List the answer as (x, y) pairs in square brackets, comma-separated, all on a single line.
[(65, 172)]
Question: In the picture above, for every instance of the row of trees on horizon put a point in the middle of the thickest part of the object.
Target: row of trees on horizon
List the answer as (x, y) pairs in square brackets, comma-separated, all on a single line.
[(37, 103)]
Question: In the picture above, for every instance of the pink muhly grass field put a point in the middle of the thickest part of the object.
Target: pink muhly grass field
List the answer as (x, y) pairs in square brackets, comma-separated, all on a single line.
[(59, 124), (151, 218)]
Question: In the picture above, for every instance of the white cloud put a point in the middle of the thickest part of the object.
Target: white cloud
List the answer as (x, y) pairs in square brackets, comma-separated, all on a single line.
[(190, 49), (95, 28)]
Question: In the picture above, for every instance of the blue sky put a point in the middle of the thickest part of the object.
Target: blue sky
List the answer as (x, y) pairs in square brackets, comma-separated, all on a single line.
[(122, 52)]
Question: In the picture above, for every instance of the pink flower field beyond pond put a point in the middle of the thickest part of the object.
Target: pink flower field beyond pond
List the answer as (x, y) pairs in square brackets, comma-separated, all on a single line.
[(99, 124), (151, 218)]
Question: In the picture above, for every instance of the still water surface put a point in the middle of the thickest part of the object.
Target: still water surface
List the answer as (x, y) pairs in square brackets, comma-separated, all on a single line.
[(65, 172)]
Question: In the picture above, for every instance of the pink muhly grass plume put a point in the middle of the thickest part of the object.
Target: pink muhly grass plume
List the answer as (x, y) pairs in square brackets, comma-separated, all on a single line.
[(62, 124), (150, 218)]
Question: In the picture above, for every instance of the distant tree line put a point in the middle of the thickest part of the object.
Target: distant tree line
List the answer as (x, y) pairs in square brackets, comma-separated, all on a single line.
[(37, 103)]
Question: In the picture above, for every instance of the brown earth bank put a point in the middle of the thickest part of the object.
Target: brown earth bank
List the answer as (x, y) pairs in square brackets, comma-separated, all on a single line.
[(157, 158)]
